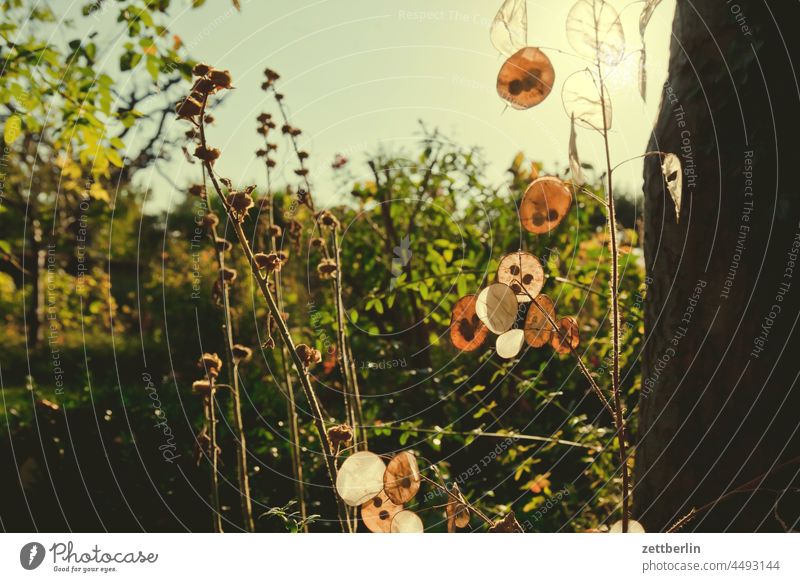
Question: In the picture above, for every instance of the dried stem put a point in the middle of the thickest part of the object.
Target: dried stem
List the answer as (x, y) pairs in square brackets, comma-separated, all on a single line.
[(233, 367), (211, 417), (283, 330)]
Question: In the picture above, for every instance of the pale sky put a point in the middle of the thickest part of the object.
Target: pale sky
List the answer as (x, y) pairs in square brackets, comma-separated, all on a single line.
[(358, 74)]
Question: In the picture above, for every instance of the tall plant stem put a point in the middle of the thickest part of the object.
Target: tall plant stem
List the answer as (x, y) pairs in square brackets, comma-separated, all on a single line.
[(291, 407), (233, 367), (350, 375), (283, 330), (211, 415), (612, 227)]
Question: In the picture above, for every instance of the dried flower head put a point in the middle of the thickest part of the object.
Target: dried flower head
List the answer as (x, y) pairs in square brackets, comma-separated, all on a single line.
[(223, 245), (241, 354), (270, 262), (200, 70), (204, 86), (264, 117), (211, 364), (228, 274), (308, 355), (268, 344), (188, 108), (197, 190), (201, 386), (283, 255), (508, 524), (274, 231), (221, 79), (327, 219), (317, 242), (205, 154), (240, 203), (326, 268), (340, 434), (271, 75)]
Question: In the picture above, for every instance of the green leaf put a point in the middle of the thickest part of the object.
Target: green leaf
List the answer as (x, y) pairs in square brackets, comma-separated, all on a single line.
[(12, 130)]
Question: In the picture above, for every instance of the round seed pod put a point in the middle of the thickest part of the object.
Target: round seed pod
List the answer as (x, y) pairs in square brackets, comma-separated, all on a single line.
[(378, 512), (509, 344), (567, 338), (401, 480), (467, 331), (457, 511), (360, 478), (523, 273), (407, 522), (497, 307), (526, 78), (633, 527), (538, 329), (545, 204)]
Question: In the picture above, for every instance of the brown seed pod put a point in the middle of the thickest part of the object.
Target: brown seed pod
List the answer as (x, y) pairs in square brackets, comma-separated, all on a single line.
[(271, 75), (221, 79), (188, 108), (211, 364), (378, 512), (204, 86), (456, 510), (327, 268), (242, 354), (223, 246), (508, 524), (201, 386), (538, 330), (401, 480), (567, 337), (317, 242), (526, 78), (327, 219), (241, 203), (340, 434), (274, 231), (270, 262), (209, 155), (523, 273), (467, 331), (197, 190), (200, 70), (308, 355), (545, 204)]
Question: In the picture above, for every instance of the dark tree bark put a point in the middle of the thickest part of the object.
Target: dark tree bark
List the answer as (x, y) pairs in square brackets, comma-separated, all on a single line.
[(720, 401)]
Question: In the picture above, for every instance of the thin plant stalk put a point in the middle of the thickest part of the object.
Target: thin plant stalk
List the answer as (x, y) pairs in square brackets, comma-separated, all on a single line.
[(211, 417), (291, 409), (233, 367), (619, 418), (283, 330)]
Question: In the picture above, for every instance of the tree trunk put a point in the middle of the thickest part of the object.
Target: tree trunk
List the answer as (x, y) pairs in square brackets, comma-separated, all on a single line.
[(720, 399)]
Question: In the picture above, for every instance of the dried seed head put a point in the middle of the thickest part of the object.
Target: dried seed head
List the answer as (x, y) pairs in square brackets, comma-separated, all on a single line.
[(201, 386), (339, 162), (279, 96), (274, 231), (211, 364), (241, 354), (200, 70), (188, 108), (270, 262), (228, 274), (221, 79), (241, 203), (210, 220), (271, 163), (286, 128), (283, 255), (268, 344), (294, 132), (308, 355), (303, 197), (209, 119), (204, 86), (327, 219), (264, 117), (317, 242), (197, 190), (301, 172), (302, 155), (205, 154), (326, 268), (223, 245), (340, 434), (508, 524), (271, 75)]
